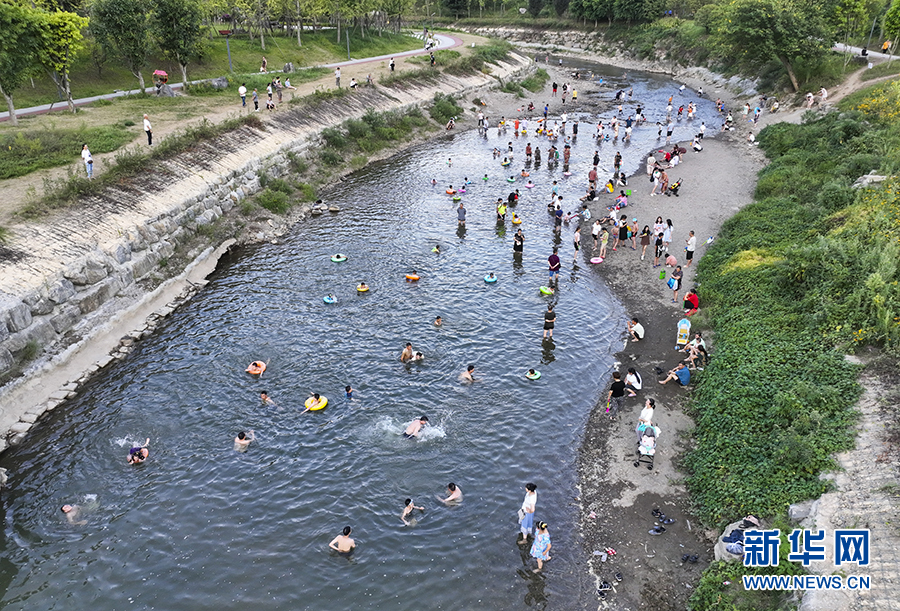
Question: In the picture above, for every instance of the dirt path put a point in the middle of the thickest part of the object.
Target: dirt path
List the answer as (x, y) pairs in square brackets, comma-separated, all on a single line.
[(15, 192)]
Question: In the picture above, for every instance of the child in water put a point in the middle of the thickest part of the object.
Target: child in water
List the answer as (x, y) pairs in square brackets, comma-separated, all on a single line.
[(491, 275), (485, 178), (348, 391), (408, 508), (529, 184)]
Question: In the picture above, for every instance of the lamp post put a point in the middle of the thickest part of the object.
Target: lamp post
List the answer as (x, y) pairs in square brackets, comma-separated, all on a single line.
[(227, 34)]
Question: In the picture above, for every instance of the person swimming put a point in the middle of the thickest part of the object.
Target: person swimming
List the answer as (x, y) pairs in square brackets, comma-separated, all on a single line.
[(418, 357), (407, 353), (73, 512), (433, 182), (264, 397), (438, 321), (362, 286), (468, 375), (242, 441), (138, 454), (348, 391), (437, 249), (455, 494), (414, 427), (408, 508), (343, 543), (491, 275)]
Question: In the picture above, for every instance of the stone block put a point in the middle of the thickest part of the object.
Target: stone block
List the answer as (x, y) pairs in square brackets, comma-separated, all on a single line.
[(206, 218), (41, 332), (93, 298), (20, 427), (59, 395), (16, 439), (164, 249), (61, 291), (103, 361), (66, 318), (6, 360), (14, 313), (800, 511), (227, 204), (29, 418), (143, 265), (41, 307), (87, 272)]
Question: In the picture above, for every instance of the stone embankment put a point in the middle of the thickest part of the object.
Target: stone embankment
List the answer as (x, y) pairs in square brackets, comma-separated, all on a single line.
[(80, 286), (593, 46)]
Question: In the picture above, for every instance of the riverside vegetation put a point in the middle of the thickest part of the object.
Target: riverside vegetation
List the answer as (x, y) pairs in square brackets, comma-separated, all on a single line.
[(808, 272)]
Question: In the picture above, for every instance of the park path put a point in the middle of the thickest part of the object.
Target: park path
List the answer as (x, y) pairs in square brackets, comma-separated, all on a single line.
[(444, 41), (15, 192)]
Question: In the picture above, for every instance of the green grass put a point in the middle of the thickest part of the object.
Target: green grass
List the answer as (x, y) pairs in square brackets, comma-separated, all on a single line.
[(425, 74), (883, 69), (318, 48), (536, 81), (30, 150), (127, 164), (441, 57), (444, 108)]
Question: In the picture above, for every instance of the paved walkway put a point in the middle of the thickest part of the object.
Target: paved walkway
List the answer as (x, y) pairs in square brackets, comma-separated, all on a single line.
[(444, 41)]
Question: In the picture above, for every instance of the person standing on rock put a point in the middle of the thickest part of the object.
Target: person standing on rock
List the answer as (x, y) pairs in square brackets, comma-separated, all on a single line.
[(337, 77), (149, 130)]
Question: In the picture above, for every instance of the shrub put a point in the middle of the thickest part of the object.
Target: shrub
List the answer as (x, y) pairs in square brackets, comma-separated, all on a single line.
[(444, 108), (273, 201), (536, 81), (307, 192), (280, 185), (331, 158)]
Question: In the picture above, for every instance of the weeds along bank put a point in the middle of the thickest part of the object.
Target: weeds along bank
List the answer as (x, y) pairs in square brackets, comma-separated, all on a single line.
[(89, 252), (796, 280)]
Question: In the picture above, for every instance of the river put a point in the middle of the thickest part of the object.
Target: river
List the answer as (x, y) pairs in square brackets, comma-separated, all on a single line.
[(200, 526)]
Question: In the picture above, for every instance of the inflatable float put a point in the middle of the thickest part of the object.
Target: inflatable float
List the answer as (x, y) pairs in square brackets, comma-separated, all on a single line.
[(456, 198), (256, 368), (329, 299), (510, 179), (529, 185), (546, 290), (490, 279), (362, 288), (533, 376), (596, 260), (505, 163), (451, 191), (323, 401), (412, 277), (339, 258), (517, 220)]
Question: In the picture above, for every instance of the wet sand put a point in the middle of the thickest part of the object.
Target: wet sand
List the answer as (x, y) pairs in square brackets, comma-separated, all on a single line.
[(717, 183)]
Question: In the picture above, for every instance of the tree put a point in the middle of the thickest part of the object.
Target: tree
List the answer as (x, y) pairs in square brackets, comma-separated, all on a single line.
[(629, 10), (560, 6), (176, 27), (19, 45), (121, 27), (756, 31), (892, 24), (60, 42), (535, 7)]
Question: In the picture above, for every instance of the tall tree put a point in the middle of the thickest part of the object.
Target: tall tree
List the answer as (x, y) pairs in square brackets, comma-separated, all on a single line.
[(535, 7), (561, 6), (176, 27), (757, 31), (19, 44), (892, 24), (121, 27), (61, 39)]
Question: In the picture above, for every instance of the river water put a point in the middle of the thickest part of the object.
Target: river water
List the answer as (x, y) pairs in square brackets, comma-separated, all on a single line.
[(200, 526)]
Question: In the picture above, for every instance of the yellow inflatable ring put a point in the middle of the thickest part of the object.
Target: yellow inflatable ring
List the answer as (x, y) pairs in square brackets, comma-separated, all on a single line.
[(323, 401), (517, 220), (361, 288)]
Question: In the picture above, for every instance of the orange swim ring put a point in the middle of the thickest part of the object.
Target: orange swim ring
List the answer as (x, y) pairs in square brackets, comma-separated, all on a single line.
[(412, 277), (256, 368)]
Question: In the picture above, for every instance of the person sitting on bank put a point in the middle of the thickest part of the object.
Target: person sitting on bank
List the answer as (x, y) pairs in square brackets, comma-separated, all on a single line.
[(636, 329), (680, 373)]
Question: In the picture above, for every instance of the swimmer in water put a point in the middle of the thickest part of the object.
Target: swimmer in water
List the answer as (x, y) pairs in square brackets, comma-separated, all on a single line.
[(455, 494), (468, 375), (491, 275), (419, 356), (437, 249), (138, 455), (264, 397), (348, 391), (407, 353), (408, 508), (317, 401), (433, 182), (415, 426), (531, 373), (485, 178), (242, 441), (343, 543), (73, 512), (438, 321), (363, 286)]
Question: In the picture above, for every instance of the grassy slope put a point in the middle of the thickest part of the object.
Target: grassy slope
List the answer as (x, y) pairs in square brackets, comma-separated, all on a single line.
[(318, 48)]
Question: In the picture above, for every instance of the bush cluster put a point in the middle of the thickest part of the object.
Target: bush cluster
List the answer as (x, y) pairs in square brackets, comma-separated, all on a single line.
[(808, 272), (27, 151), (444, 108)]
